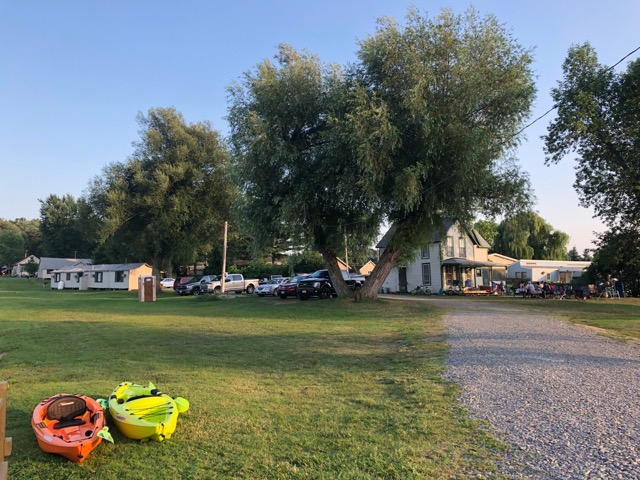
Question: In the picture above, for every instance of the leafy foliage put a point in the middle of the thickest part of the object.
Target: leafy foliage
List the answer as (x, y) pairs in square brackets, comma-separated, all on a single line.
[(31, 267), (618, 256), (528, 235), (599, 120), (294, 161), (488, 229), (444, 99), (68, 227), (30, 230), (11, 247), (169, 201)]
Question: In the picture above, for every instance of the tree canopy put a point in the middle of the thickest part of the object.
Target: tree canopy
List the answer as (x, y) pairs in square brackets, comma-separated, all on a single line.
[(169, 201), (67, 227), (618, 256), (418, 130), (528, 235), (294, 162), (488, 228), (448, 96), (11, 247), (599, 120)]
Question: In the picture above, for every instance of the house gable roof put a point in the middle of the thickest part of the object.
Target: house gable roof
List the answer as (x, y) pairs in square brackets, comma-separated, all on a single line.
[(114, 267), (51, 263), (473, 234)]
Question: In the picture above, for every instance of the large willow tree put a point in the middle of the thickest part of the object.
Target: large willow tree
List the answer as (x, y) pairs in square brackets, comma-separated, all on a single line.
[(169, 200), (296, 168), (450, 95), (418, 130), (528, 235)]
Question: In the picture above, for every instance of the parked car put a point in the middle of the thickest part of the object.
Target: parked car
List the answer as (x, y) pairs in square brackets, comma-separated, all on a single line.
[(197, 286), (181, 281), (233, 282), (319, 285), (288, 288), (167, 283), (192, 287), (270, 287)]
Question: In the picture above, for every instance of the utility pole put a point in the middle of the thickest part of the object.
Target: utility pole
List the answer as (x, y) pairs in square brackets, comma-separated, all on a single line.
[(346, 251), (224, 258)]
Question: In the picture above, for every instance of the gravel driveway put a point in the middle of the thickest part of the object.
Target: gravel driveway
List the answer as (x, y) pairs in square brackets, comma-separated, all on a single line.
[(565, 398)]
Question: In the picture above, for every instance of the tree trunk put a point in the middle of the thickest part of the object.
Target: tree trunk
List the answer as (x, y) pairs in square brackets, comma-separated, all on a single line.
[(371, 287), (156, 268), (331, 262)]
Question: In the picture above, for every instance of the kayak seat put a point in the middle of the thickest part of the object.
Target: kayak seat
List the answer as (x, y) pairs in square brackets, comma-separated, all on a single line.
[(68, 423), (66, 410)]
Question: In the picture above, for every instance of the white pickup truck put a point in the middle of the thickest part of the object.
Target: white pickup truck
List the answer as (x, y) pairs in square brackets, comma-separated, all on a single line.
[(234, 282)]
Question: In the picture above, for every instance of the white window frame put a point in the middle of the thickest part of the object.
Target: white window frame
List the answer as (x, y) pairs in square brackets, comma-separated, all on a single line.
[(99, 277), (449, 250), (462, 247), (426, 278), (425, 253)]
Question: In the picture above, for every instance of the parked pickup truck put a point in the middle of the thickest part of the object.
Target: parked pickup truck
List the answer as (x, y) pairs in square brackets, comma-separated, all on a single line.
[(319, 285), (234, 282)]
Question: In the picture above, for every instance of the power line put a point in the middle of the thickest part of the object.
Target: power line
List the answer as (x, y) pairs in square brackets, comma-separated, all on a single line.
[(556, 105)]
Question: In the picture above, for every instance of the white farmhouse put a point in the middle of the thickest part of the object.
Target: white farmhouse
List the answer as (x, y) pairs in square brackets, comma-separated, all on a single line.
[(453, 258)]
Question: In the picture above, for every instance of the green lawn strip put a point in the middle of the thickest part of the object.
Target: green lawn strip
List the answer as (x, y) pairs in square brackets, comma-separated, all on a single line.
[(278, 389), (616, 318)]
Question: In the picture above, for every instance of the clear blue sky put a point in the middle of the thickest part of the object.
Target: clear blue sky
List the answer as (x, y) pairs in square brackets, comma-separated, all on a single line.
[(74, 75)]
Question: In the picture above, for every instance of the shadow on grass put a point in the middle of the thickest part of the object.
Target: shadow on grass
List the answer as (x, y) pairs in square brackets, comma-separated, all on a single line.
[(94, 345)]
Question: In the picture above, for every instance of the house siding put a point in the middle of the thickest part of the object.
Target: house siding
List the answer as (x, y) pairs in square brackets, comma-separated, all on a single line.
[(92, 273)]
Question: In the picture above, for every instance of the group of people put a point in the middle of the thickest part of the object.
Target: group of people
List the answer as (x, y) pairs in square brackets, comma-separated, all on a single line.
[(543, 290)]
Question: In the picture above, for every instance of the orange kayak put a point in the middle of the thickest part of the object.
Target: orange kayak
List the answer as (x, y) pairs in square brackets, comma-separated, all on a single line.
[(68, 425)]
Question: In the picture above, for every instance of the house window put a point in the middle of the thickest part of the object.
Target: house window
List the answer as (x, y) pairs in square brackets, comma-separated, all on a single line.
[(521, 275), (119, 277), (449, 251), (462, 248), (98, 277), (424, 253), (426, 274), (56, 277), (68, 277)]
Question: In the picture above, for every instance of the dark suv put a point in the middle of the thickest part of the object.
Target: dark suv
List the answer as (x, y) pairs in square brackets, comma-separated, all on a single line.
[(319, 285)]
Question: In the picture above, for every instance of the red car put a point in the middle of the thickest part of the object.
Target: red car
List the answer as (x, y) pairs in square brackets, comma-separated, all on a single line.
[(288, 289)]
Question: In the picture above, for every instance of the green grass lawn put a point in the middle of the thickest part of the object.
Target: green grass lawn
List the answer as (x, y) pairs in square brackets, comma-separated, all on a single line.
[(617, 318), (278, 389)]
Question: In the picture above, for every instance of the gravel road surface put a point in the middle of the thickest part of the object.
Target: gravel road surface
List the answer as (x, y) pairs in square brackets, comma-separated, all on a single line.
[(565, 398)]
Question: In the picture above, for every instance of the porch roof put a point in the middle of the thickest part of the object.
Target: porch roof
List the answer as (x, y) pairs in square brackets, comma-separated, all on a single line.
[(465, 262)]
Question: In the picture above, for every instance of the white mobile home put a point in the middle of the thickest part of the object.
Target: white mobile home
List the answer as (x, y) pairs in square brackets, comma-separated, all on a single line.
[(562, 271), (101, 277)]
